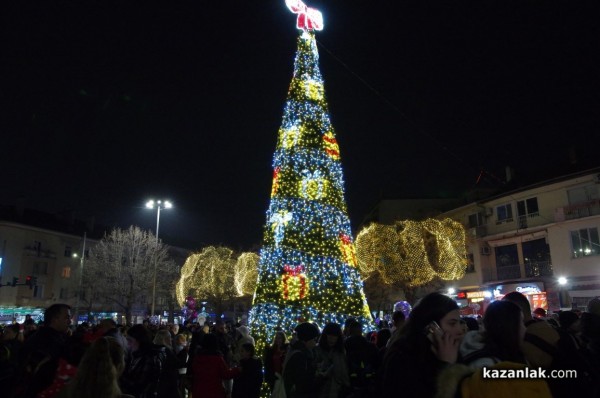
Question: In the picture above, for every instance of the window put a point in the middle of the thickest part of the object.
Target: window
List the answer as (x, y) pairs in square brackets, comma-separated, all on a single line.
[(585, 242), (68, 251), (475, 220), (470, 263), (583, 194), (504, 213), (527, 208), (66, 272)]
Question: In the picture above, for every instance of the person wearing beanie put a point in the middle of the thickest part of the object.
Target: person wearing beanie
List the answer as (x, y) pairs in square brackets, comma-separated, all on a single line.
[(299, 370)]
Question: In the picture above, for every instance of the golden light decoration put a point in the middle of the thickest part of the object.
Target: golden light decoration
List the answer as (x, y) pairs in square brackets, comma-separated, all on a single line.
[(216, 274), (413, 252)]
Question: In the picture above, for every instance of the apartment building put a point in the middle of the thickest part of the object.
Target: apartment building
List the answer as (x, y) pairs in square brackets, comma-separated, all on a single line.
[(541, 240)]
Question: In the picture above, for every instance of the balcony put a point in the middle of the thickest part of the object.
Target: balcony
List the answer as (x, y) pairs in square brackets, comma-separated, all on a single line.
[(508, 272), (538, 268), (578, 210)]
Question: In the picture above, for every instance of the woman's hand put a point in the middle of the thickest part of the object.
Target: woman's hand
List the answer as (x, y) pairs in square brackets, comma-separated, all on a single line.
[(445, 347)]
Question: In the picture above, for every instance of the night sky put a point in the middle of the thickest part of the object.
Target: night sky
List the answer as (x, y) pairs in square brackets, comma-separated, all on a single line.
[(106, 104)]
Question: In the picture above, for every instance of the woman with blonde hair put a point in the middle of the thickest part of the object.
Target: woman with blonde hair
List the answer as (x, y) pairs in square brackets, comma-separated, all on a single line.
[(98, 372)]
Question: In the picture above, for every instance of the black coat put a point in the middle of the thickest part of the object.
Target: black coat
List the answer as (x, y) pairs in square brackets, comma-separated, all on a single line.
[(247, 384)]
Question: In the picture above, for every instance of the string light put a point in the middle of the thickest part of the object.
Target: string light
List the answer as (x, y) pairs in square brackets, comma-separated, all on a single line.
[(308, 266), (412, 252)]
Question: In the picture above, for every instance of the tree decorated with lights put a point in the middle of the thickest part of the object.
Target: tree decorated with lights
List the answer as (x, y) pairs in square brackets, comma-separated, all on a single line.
[(307, 268)]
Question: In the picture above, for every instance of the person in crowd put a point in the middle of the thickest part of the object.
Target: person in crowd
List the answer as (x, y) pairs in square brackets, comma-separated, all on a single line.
[(428, 342), (10, 347), (142, 373), (42, 351), (398, 320), (383, 336), (249, 381), (226, 346), (169, 373), (471, 323), (299, 370), (209, 370), (273, 358), (181, 349), (363, 360), (330, 357), (590, 338), (108, 328), (98, 372), (243, 337), (539, 334), (501, 340)]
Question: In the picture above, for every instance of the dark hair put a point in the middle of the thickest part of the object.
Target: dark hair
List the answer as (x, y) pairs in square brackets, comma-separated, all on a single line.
[(332, 329), (412, 337), (471, 323), (398, 316), (567, 318), (249, 347), (210, 342), (140, 333), (383, 336), (502, 321), (53, 312), (520, 300)]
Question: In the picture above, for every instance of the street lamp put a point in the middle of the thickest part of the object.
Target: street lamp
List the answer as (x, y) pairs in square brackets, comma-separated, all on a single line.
[(160, 205)]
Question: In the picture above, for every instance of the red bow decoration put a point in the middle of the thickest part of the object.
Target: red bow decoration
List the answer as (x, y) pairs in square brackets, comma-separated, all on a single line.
[(308, 18)]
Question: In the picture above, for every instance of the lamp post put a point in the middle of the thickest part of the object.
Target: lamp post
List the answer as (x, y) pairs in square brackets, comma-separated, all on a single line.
[(160, 205), (80, 292)]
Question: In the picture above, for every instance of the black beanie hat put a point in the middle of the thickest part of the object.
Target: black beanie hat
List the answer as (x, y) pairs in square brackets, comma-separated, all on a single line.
[(307, 331)]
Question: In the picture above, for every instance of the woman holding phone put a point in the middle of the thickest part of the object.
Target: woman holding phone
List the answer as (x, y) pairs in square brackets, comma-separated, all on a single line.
[(427, 343)]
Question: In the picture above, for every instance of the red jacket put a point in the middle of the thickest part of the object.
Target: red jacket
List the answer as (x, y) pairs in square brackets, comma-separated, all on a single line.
[(209, 370)]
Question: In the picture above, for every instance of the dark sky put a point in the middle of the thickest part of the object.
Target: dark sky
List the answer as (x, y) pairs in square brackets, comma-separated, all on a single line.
[(108, 103)]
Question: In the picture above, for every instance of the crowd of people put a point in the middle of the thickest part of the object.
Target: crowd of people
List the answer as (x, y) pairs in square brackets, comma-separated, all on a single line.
[(434, 352)]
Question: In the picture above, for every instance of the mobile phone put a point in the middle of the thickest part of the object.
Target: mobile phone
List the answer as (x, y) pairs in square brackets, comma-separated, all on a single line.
[(432, 329)]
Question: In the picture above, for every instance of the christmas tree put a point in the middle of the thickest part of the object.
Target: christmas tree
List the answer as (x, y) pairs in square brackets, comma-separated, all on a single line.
[(307, 269)]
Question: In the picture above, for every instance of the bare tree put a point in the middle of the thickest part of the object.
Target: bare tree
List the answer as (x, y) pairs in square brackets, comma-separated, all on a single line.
[(121, 266)]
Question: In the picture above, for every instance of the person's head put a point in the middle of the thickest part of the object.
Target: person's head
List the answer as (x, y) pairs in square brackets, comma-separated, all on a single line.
[(210, 342), (568, 320), (352, 327), (220, 326), (107, 324), (181, 339), (99, 370), (58, 317), (243, 331), (471, 323), (520, 300), (174, 328), (247, 351), (433, 307), (539, 313), (138, 336), (307, 333), (504, 330), (163, 337), (279, 339), (398, 319), (332, 338)]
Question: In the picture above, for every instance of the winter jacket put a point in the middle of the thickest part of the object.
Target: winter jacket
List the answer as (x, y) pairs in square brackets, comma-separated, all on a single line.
[(299, 372), (141, 377), (208, 372), (461, 381), (473, 353), (247, 384)]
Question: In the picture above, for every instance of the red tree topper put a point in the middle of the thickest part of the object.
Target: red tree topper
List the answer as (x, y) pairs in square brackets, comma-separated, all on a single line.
[(308, 18)]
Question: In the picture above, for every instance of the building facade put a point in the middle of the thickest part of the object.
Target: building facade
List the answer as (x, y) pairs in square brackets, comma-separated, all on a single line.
[(541, 240)]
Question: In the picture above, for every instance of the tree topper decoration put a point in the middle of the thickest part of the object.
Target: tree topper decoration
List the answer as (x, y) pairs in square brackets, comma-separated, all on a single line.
[(308, 18)]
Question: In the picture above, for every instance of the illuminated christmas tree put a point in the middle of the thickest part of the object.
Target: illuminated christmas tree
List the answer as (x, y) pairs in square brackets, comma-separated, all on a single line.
[(307, 268)]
